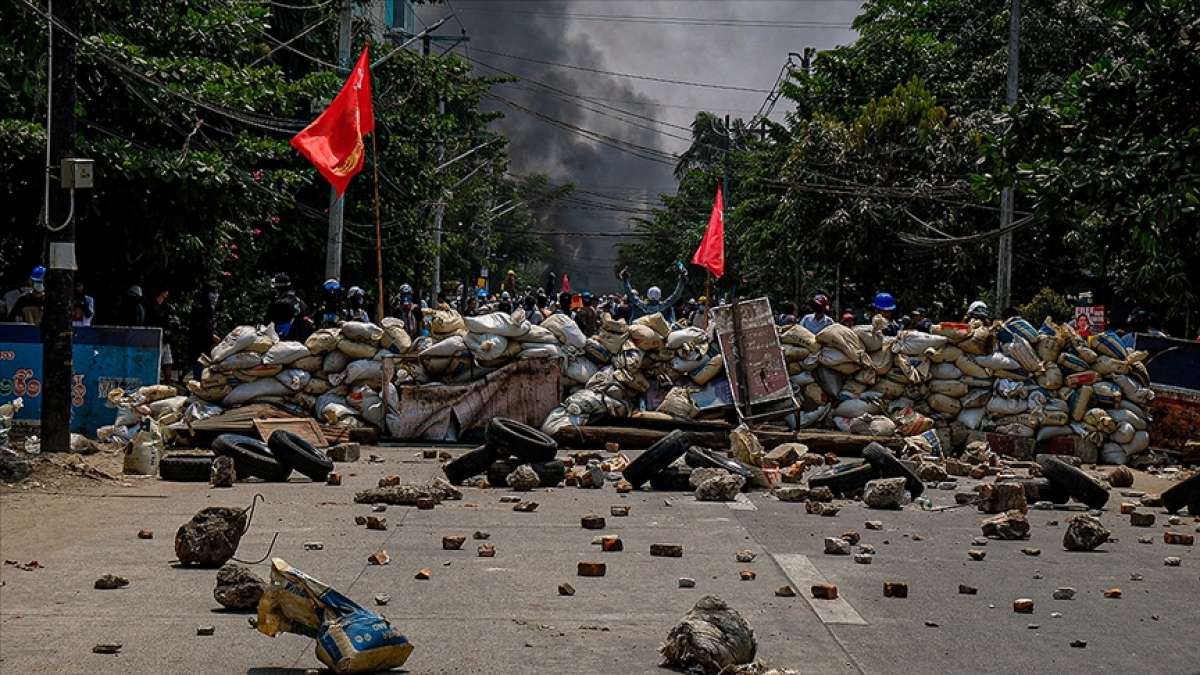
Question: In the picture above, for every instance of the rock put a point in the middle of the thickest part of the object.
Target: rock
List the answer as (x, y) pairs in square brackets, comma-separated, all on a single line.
[(1136, 577), (486, 551), (14, 469), (618, 511), (719, 488), (1172, 561), (958, 468), (820, 494), (423, 574), (828, 510), (1023, 606), (382, 599), (1009, 525), (1174, 520), (863, 558), (1084, 533), (1079, 644), (611, 544), (525, 507), (710, 638), (566, 589), (895, 589), (612, 446), (314, 546), (107, 648), (1064, 593), (211, 537), (591, 476), (824, 591), (1113, 593), (1139, 519), (836, 546), (379, 508), (873, 524), (453, 542), (790, 493), (965, 497), (976, 554), (145, 534), (376, 523), (687, 582), (238, 587), (592, 522), (964, 589), (205, 631), (867, 548), (110, 582), (334, 478), (360, 520), (1145, 540), (980, 541), (1001, 497), (223, 473), (1030, 551), (884, 493), (1120, 477), (1055, 615), (852, 537), (429, 453), (666, 550), (747, 575), (786, 454), (746, 555), (947, 485), (931, 472), (401, 495), (1179, 539), (390, 480), (1151, 500), (523, 478), (343, 452), (591, 569), (623, 486), (785, 592), (481, 535), (702, 474), (379, 557)]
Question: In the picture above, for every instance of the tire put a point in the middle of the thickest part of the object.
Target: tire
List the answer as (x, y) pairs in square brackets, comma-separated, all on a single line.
[(1073, 481), (510, 437), (1185, 493), (185, 468), (1044, 490), (656, 458), (888, 466), (699, 458), (673, 478), (844, 478), (299, 455), (550, 474), (470, 463), (251, 457)]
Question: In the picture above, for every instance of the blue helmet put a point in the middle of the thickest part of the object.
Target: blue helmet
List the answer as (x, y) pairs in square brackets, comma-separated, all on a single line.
[(333, 285), (38, 273), (884, 302)]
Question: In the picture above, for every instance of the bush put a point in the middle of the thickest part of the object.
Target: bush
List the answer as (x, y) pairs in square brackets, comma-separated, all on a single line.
[(1047, 303)]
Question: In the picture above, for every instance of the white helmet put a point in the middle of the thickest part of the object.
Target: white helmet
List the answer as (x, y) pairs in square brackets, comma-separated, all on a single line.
[(979, 307), (654, 293)]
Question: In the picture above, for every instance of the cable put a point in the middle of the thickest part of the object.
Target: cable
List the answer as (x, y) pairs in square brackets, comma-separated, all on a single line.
[(669, 20)]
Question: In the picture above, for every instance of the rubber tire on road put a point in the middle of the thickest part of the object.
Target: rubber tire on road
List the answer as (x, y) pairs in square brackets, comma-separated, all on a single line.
[(657, 457), (1074, 481), (510, 437), (1184, 493), (889, 466), (470, 463), (844, 478), (251, 457), (185, 468), (674, 478), (550, 474), (298, 454), (699, 458), (1044, 490)]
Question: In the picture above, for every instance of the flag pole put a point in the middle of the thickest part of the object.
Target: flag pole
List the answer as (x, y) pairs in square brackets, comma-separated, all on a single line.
[(379, 303)]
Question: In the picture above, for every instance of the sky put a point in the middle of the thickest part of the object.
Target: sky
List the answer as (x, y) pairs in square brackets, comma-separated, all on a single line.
[(733, 43)]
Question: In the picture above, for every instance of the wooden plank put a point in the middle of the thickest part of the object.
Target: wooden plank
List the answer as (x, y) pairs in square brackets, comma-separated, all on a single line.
[(305, 428), (837, 442), (241, 420)]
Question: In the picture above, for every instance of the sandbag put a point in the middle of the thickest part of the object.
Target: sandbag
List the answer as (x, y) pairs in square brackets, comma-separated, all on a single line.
[(1123, 416), (294, 378), (975, 398), (537, 335), (1106, 394), (366, 371), (322, 341), (1019, 349), (210, 394), (888, 389), (830, 383), (445, 323), (394, 335), (580, 370), (244, 393), (311, 363), (872, 340), (969, 367), (916, 343), (945, 371), (1139, 444), (947, 354), (538, 350), (1047, 432), (883, 360), (566, 330), (452, 346), (1107, 365), (795, 353), (830, 358), (285, 352), (951, 388), (852, 407), (1000, 406), (1133, 392), (629, 358), (1079, 402), (1108, 344), (678, 403), (684, 336), (954, 332), (705, 373), (355, 349), (1051, 378), (316, 386), (845, 340), (1123, 434), (335, 362), (237, 340), (873, 425), (485, 345), (799, 336), (997, 361), (971, 418), (362, 331), (944, 404), (645, 337), (498, 323), (656, 322)]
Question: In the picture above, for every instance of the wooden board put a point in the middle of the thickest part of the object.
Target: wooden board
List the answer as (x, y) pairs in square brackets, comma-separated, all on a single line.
[(305, 428), (241, 420), (766, 372), (839, 443)]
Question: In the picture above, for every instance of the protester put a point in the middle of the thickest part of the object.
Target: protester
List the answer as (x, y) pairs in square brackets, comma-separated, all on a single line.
[(355, 309), (920, 322), (654, 301), (1139, 321), (506, 302), (27, 306), (331, 304), (699, 317), (130, 311), (202, 326), (885, 306), (286, 310), (847, 318), (83, 307), (587, 317), (161, 315), (564, 304), (405, 308), (978, 310), (787, 314), (819, 319), (510, 283)]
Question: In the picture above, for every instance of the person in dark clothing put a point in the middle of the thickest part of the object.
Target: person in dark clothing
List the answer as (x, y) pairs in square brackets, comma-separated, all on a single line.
[(653, 302), (920, 321), (285, 309), (564, 305), (331, 304), (407, 309), (506, 304), (354, 310), (551, 283), (202, 326), (160, 314), (28, 305), (587, 317), (132, 313)]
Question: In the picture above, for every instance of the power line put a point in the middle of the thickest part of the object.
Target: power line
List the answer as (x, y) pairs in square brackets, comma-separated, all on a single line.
[(668, 20)]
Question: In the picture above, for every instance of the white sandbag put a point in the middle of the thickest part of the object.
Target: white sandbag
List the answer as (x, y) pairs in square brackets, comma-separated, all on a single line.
[(237, 340), (311, 363), (1106, 365), (997, 361), (975, 398), (1021, 351), (565, 329), (1047, 432), (883, 360), (496, 360), (366, 371), (284, 353), (944, 404), (355, 349), (1123, 416), (559, 419), (971, 418), (1000, 406), (646, 338), (951, 388), (1051, 378), (830, 383), (1112, 453), (1139, 444), (945, 371), (163, 406), (831, 358), (852, 407), (244, 393), (485, 345), (1132, 391), (362, 331), (335, 362), (1123, 434), (873, 425), (238, 361), (394, 335), (845, 340), (452, 346), (580, 369), (656, 322), (539, 335), (947, 354), (970, 367), (499, 323), (888, 388), (294, 378), (872, 340), (684, 336), (323, 341), (916, 343), (537, 350), (257, 372), (799, 336)]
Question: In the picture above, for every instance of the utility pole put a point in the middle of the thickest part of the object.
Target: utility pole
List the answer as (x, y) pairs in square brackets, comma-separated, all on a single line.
[(1005, 252), (333, 244), (439, 208), (57, 361)]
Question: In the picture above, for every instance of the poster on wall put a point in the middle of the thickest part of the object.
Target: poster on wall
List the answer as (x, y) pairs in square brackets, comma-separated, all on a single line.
[(1090, 320)]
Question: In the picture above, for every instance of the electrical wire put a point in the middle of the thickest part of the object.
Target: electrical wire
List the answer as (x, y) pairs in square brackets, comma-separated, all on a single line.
[(669, 20)]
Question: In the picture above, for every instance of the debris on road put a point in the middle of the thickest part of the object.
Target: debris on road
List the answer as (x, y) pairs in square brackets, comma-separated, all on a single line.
[(334, 478), (486, 551), (238, 587), (884, 493), (211, 537), (525, 507), (110, 582), (1172, 561), (1178, 538), (785, 592), (1010, 525), (746, 555), (592, 522), (1113, 593), (895, 589), (824, 591), (618, 511), (480, 535), (382, 599), (687, 582), (566, 589), (1064, 593), (1023, 606), (836, 546), (224, 475), (145, 534), (747, 575), (379, 557), (453, 542), (591, 569), (666, 550), (423, 574), (376, 523), (964, 589), (976, 554), (206, 630), (1084, 533), (107, 648), (711, 638)]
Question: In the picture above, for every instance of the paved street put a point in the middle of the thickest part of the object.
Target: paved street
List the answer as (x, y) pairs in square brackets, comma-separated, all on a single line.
[(504, 614)]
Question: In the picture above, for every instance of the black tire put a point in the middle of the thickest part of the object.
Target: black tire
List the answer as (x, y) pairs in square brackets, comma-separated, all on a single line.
[(549, 473), (1073, 481), (1044, 490), (844, 478), (185, 468), (251, 457), (470, 463), (1184, 493), (552, 473), (673, 478), (299, 455), (700, 458), (888, 466), (657, 457), (510, 437)]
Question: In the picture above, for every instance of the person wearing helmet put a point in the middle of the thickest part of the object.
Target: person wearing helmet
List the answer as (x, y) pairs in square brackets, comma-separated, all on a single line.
[(506, 303), (27, 303), (586, 316), (885, 306), (978, 310), (405, 308), (285, 309), (819, 319), (331, 304), (83, 306), (510, 283), (920, 322), (355, 310), (847, 318), (653, 302), (131, 311)]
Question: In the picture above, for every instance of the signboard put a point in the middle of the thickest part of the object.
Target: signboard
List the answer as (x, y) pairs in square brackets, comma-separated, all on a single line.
[(762, 357), (105, 358), (1090, 320)]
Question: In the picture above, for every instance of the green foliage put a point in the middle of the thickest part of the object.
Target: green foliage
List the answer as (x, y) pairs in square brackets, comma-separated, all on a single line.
[(1047, 303)]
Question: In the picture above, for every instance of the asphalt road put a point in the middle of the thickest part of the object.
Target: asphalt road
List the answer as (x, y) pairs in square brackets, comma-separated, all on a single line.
[(504, 614)]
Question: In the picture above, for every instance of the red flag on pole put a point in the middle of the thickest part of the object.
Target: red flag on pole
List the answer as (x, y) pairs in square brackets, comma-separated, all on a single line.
[(711, 253), (334, 141), (566, 283)]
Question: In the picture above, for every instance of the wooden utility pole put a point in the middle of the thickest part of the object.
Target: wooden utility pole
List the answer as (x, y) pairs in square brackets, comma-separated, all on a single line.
[(1004, 255)]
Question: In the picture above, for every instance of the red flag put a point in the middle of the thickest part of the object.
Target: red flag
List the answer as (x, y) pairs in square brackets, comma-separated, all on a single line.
[(711, 253), (334, 141), (566, 285)]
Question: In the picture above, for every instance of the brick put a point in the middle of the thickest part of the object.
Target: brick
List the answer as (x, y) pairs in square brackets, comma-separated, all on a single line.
[(666, 550), (895, 589), (1127, 508), (145, 534), (1172, 561), (1113, 593), (423, 573), (360, 520), (487, 550), (343, 452), (1138, 519), (687, 582), (453, 542), (623, 486), (1023, 606), (873, 524), (611, 544), (525, 507), (745, 556), (389, 480), (964, 589), (592, 569), (618, 511), (785, 592), (1179, 539), (747, 575), (852, 537), (976, 553), (379, 557), (612, 446), (334, 478), (824, 591), (566, 589), (592, 522), (376, 523)]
